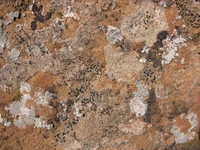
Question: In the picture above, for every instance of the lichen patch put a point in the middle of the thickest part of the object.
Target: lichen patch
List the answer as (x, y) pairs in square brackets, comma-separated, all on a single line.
[(144, 24)]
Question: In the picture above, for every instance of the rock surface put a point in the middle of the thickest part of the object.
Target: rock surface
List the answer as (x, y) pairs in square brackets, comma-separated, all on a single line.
[(100, 75)]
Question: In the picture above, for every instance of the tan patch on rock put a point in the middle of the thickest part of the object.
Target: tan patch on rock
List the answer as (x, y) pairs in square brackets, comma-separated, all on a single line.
[(182, 123), (29, 138), (103, 83), (144, 24), (46, 111), (128, 146), (140, 144), (124, 66), (134, 127), (53, 47), (71, 28), (2, 62), (5, 100), (62, 92), (171, 16), (42, 79)]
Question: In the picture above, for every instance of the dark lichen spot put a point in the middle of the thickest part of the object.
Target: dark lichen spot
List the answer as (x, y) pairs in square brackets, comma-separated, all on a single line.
[(48, 16), (36, 9), (52, 89), (33, 25), (155, 58), (40, 18), (153, 107), (37, 13), (162, 35), (157, 44)]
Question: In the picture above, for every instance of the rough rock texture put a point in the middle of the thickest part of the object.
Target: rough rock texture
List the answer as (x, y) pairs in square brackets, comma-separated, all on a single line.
[(99, 75)]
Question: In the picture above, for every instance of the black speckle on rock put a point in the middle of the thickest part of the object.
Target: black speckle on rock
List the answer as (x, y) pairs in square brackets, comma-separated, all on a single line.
[(37, 13), (156, 59), (48, 16), (33, 25), (40, 18), (52, 89), (162, 35), (36, 9), (157, 44)]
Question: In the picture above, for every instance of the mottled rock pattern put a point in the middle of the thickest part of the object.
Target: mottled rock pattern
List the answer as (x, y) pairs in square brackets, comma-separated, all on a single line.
[(101, 75)]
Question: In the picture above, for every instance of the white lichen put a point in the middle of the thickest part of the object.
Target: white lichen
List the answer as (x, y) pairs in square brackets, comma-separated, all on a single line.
[(137, 104), (138, 107), (145, 49), (78, 109), (192, 117), (70, 48), (18, 108), (23, 115), (26, 117), (143, 60), (12, 16), (182, 61), (114, 35), (19, 123), (71, 14), (14, 54), (3, 37), (171, 47), (42, 99), (25, 88), (4, 121), (180, 137), (110, 76), (34, 51), (41, 123)]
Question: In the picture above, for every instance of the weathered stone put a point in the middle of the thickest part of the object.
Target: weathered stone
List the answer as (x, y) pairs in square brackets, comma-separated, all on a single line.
[(99, 75)]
